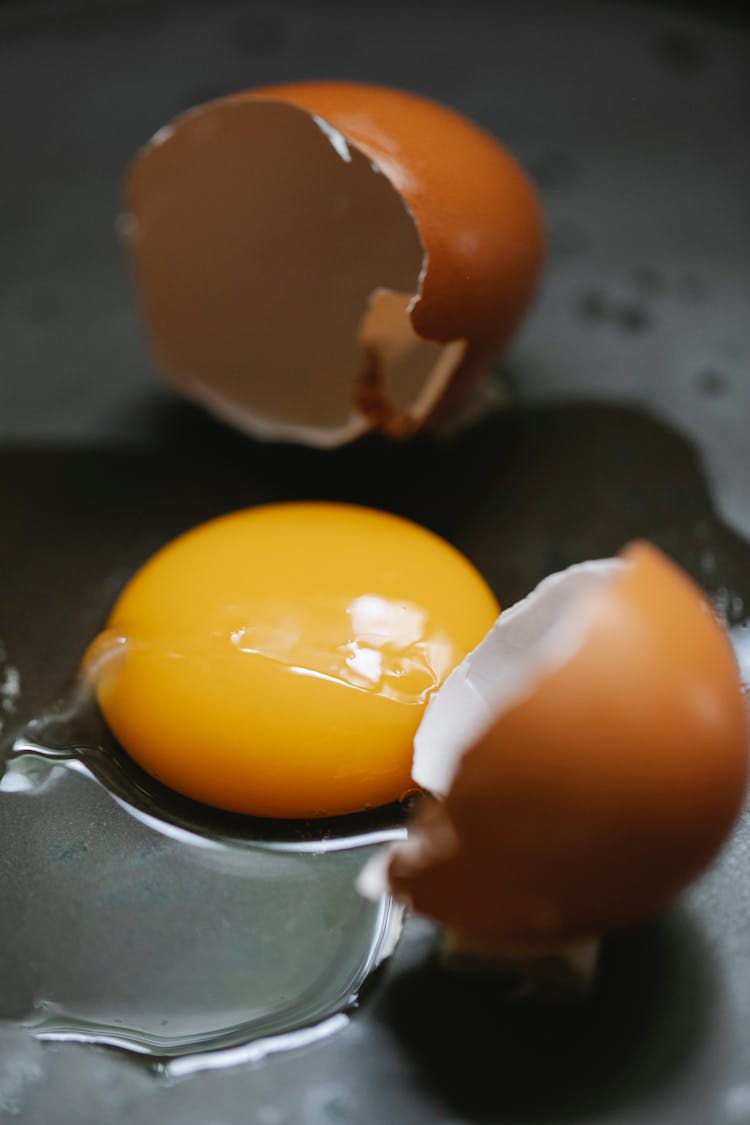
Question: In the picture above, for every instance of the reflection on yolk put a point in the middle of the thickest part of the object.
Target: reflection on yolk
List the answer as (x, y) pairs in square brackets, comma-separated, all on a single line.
[(277, 661), (373, 644)]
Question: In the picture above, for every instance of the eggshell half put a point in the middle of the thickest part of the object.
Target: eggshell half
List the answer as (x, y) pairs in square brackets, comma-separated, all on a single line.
[(604, 771), (318, 259)]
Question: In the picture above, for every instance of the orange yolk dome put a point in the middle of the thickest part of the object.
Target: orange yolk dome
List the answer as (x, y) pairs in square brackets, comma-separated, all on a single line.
[(277, 661)]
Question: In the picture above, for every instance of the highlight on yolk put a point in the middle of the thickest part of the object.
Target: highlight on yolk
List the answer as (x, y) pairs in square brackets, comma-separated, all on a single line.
[(277, 661)]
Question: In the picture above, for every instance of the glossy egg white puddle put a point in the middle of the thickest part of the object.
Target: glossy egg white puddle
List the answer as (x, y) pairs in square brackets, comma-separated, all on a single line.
[(137, 919)]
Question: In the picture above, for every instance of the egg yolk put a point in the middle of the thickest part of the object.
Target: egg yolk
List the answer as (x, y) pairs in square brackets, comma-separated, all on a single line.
[(277, 661)]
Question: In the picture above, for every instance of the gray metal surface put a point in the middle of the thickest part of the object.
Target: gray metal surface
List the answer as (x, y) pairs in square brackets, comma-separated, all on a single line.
[(633, 119)]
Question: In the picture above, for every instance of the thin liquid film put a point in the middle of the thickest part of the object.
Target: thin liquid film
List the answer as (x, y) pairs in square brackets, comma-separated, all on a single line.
[(142, 920)]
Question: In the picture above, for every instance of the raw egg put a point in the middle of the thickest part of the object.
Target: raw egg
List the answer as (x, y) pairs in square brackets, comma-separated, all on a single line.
[(590, 758), (318, 259), (277, 661)]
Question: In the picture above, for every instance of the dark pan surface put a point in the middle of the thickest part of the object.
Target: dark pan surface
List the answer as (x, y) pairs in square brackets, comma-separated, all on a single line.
[(631, 417)]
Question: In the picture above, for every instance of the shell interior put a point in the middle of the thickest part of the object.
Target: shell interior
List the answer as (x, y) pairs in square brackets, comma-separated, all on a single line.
[(278, 268)]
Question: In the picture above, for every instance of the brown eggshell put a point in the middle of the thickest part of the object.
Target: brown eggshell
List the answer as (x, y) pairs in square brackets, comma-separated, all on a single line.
[(318, 259), (605, 788), (476, 212)]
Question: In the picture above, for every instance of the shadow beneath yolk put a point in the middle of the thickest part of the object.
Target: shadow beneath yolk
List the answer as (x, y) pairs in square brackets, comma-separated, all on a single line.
[(74, 729), (492, 1057)]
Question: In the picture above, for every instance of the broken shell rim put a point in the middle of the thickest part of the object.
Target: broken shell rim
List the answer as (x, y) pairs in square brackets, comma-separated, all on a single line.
[(434, 767)]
